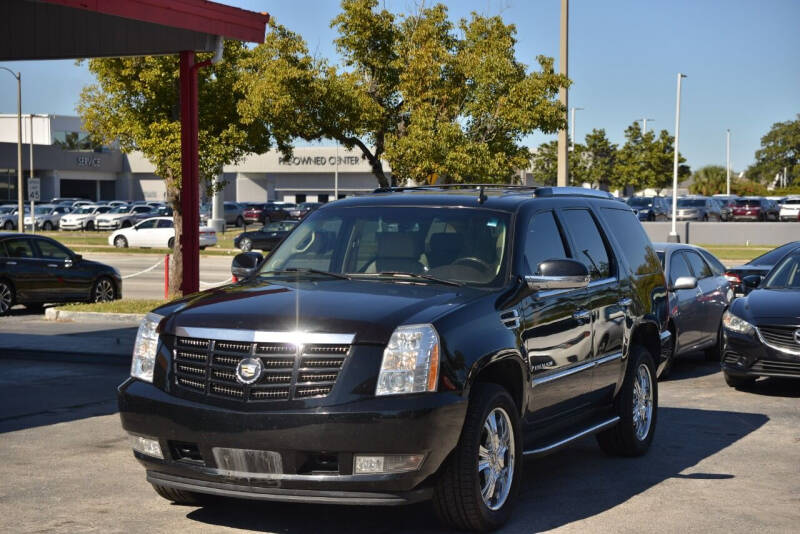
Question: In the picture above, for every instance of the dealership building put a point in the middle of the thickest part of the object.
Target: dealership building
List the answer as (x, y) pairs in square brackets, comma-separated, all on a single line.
[(69, 167)]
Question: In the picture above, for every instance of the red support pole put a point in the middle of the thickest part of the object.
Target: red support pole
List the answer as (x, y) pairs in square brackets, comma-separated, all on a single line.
[(190, 183), (166, 276)]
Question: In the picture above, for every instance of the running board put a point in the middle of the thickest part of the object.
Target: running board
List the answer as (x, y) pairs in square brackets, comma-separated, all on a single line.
[(552, 447)]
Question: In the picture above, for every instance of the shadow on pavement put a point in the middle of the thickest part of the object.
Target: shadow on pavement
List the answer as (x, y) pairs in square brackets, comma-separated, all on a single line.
[(692, 366), (571, 485), (774, 387)]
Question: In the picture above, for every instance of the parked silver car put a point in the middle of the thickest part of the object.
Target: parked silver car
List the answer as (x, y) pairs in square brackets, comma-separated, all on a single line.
[(8, 217), (698, 295), (47, 216), (233, 213), (123, 217), (698, 209)]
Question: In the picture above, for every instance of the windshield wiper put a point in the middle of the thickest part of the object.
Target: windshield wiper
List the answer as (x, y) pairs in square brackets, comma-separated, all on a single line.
[(419, 275), (305, 270)]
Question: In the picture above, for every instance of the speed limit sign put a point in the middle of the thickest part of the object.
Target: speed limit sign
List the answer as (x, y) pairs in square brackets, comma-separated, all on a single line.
[(34, 189)]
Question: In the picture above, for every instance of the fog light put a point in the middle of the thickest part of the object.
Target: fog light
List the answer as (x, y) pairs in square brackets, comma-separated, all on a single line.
[(148, 446), (391, 463)]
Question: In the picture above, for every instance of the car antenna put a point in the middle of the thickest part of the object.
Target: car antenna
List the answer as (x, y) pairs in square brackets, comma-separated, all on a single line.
[(481, 195)]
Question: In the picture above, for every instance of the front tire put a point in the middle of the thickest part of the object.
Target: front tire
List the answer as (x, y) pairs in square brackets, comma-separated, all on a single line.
[(90, 226), (47, 226), (182, 497), (239, 221), (120, 242), (479, 483), (637, 407), (7, 297), (738, 381), (246, 244), (171, 243), (8, 225), (103, 290)]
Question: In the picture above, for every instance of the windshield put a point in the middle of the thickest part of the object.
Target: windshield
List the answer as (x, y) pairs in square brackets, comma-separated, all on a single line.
[(691, 202), (773, 256), (791, 201), (120, 209), (640, 202), (83, 210), (785, 275), (43, 210), (748, 202), (458, 245)]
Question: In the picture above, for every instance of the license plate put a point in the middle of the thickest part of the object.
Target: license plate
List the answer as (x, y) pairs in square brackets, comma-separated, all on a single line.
[(246, 461)]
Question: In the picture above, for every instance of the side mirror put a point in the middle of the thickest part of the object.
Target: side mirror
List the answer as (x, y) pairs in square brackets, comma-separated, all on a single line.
[(559, 274), (752, 281), (68, 262), (684, 282), (245, 264)]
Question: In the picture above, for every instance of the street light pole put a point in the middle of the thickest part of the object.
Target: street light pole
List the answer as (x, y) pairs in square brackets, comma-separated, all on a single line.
[(336, 175), (20, 207), (563, 169), (30, 160), (572, 128), (728, 162), (673, 235)]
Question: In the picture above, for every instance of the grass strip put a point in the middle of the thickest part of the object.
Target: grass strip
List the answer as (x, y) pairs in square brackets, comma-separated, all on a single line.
[(116, 306)]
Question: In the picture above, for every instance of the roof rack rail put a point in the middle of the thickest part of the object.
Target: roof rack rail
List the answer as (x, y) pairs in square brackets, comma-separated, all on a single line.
[(434, 187), (571, 192)]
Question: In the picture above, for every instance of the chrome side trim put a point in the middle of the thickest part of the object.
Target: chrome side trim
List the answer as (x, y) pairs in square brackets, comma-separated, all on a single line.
[(258, 336), (602, 281), (665, 335), (577, 369), (776, 347), (562, 374), (546, 283), (561, 443)]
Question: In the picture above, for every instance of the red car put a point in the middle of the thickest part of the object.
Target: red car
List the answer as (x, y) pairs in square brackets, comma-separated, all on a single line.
[(264, 213), (754, 209)]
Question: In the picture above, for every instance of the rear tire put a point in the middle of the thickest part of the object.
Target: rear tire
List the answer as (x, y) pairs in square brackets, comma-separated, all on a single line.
[(171, 243), (120, 242), (182, 497), (738, 381), (8, 225), (637, 407), (480, 458)]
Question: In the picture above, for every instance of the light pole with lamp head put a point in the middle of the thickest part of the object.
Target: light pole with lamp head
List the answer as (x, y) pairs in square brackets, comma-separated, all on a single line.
[(673, 235), (20, 207)]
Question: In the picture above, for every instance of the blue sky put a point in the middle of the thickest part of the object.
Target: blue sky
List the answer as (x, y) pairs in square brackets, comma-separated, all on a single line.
[(742, 59)]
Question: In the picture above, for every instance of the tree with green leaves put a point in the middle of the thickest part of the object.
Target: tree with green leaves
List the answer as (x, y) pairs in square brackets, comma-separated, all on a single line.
[(436, 100), (646, 161), (709, 180), (135, 101), (595, 161), (544, 164), (780, 148)]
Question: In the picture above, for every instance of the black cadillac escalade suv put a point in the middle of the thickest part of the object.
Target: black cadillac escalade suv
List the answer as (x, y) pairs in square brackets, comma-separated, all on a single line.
[(415, 343)]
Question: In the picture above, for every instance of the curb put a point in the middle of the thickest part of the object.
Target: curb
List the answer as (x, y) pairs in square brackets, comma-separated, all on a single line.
[(54, 314)]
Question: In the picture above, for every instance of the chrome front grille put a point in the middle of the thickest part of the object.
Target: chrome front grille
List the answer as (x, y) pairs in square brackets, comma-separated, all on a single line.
[(208, 366), (781, 337)]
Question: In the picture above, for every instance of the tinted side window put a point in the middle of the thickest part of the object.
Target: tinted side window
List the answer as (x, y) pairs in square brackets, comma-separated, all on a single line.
[(636, 246), (164, 223), (589, 245), (677, 267), (543, 241), (716, 266), (19, 248), (51, 251), (700, 268)]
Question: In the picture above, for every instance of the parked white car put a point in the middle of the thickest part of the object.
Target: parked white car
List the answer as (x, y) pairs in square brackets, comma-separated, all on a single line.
[(790, 211), (47, 216), (156, 232), (82, 217)]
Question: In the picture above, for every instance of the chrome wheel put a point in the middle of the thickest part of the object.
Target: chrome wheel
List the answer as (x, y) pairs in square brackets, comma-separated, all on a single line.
[(120, 242), (642, 402), (246, 245), (103, 290), (496, 459), (6, 298)]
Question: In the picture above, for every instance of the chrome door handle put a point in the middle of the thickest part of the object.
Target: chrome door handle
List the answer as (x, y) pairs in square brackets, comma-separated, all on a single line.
[(11, 263), (582, 315), (625, 302), (52, 265)]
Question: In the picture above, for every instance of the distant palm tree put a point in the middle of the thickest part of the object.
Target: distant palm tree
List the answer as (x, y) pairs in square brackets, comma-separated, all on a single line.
[(708, 180)]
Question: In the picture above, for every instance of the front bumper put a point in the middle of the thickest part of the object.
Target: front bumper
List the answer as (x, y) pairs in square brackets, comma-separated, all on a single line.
[(745, 355), (428, 424), (108, 225)]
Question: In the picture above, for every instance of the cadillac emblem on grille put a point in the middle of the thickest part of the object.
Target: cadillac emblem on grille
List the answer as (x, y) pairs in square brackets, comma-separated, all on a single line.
[(249, 370)]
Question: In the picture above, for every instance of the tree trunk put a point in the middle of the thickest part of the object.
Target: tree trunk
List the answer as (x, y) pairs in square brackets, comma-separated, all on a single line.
[(373, 159), (176, 261)]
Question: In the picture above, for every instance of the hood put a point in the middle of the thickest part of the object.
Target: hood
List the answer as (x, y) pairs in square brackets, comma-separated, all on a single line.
[(370, 309), (770, 306)]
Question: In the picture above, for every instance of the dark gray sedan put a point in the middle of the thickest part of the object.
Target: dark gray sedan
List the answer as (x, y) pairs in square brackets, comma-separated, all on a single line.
[(699, 293)]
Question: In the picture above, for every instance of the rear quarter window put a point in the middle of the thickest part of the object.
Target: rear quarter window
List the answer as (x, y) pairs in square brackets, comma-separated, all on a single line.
[(636, 246)]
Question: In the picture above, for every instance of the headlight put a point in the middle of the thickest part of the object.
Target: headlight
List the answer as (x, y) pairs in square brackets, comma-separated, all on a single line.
[(145, 347), (735, 323), (410, 361)]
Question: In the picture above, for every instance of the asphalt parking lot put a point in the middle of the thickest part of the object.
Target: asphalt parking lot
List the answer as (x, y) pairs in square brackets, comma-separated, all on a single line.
[(722, 461)]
